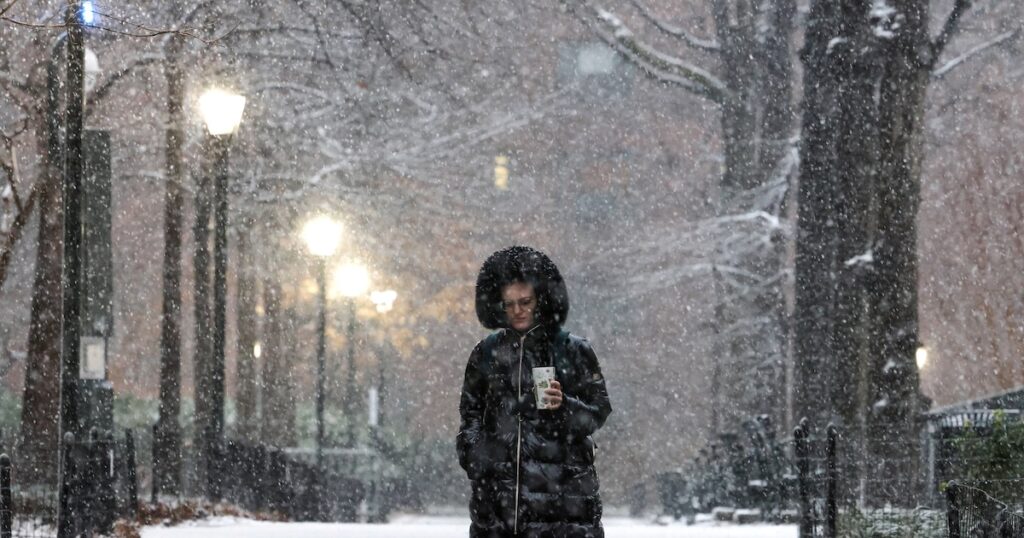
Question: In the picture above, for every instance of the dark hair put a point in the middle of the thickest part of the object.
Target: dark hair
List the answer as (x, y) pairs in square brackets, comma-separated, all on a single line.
[(527, 265)]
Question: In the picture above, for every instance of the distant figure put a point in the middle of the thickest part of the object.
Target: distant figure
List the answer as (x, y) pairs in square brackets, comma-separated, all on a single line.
[(532, 396)]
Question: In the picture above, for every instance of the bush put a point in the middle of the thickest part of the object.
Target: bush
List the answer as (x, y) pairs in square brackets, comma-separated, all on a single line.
[(897, 523), (10, 417), (991, 455)]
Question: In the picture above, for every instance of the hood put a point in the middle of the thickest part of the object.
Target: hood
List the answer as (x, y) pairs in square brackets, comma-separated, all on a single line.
[(521, 264)]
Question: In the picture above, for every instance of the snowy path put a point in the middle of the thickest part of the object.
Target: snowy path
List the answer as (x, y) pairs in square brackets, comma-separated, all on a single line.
[(441, 527)]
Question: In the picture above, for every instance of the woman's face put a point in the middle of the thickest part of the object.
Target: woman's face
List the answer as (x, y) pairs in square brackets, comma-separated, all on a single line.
[(519, 303)]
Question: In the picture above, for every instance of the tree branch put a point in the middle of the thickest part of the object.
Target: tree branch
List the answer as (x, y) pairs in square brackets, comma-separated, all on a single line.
[(948, 29), (656, 64), (11, 168), (8, 7), (108, 84), (960, 60), (709, 45), (17, 227), (32, 24)]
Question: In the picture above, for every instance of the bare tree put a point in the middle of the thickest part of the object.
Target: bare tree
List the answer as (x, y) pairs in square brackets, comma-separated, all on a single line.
[(750, 81), (867, 68)]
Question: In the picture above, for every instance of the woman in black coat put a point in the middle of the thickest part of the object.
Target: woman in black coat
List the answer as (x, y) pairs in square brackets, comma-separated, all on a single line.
[(532, 470)]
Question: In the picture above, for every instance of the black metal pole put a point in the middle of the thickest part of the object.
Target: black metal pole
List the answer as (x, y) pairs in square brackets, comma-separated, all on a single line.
[(380, 386), (132, 504), (220, 267), (803, 463), (953, 509), (6, 506), (72, 266), (203, 322), (350, 376), (831, 511), (321, 350)]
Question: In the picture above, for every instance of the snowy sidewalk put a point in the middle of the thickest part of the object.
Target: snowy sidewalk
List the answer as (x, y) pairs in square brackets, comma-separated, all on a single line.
[(442, 527)]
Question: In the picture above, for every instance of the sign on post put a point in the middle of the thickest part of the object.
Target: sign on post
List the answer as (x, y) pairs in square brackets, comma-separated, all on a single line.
[(92, 362)]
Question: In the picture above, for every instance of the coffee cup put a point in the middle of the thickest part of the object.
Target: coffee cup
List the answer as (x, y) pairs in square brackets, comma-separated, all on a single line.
[(542, 378)]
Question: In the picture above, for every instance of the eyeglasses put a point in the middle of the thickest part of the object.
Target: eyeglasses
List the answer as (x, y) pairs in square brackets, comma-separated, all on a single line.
[(525, 303)]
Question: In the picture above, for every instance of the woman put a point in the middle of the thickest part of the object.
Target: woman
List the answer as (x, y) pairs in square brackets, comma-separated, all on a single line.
[(532, 470)]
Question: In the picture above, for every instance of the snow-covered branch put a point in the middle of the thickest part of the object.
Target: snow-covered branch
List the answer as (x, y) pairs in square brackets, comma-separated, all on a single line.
[(108, 84), (656, 64), (1000, 39), (676, 31), (948, 29)]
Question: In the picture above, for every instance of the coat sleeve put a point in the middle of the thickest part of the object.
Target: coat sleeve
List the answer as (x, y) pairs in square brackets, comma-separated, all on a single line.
[(471, 442), (586, 407)]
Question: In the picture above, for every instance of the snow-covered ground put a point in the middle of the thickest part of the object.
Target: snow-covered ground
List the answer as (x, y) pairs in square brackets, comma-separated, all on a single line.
[(407, 526)]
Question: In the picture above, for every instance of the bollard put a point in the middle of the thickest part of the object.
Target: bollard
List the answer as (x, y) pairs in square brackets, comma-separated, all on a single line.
[(6, 505), (953, 509), (132, 504), (830, 485), (155, 485), (803, 478)]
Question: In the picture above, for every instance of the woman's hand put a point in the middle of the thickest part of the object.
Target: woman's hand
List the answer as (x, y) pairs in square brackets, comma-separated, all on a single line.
[(553, 395)]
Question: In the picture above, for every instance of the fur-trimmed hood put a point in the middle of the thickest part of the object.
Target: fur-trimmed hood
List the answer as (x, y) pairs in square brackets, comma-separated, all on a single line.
[(521, 264)]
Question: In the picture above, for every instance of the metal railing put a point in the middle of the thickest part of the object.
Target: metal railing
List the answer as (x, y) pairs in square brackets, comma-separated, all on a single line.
[(260, 478), (971, 512), (99, 481)]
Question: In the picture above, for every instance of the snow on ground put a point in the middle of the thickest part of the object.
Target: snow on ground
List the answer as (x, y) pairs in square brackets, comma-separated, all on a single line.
[(406, 526)]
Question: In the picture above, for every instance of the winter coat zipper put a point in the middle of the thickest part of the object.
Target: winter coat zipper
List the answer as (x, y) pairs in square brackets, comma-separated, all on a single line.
[(519, 426)]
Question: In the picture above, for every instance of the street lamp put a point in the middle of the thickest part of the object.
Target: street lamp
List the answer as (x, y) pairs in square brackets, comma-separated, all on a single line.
[(71, 267), (92, 69), (921, 357), (222, 113), (321, 235), (384, 301), (351, 280)]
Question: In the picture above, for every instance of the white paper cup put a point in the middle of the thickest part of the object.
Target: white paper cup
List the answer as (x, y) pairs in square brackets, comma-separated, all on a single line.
[(542, 378)]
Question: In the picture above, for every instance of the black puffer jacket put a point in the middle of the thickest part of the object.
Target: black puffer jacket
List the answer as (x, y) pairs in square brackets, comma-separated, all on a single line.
[(532, 471)]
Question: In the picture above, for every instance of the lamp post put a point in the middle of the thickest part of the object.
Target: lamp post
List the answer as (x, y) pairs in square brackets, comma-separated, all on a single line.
[(351, 281), (222, 112), (384, 301), (72, 267), (321, 235)]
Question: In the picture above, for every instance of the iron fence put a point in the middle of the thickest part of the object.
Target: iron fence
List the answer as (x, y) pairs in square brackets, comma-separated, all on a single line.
[(260, 478), (972, 512), (99, 478)]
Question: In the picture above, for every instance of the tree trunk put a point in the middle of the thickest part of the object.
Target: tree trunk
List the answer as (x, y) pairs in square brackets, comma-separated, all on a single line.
[(896, 398), (815, 252), (37, 453), (856, 63), (167, 444), (856, 260), (756, 119)]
